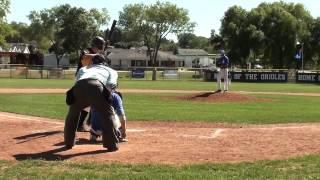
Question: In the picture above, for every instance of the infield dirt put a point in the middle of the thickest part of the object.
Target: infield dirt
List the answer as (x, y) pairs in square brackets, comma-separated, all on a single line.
[(27, 137)]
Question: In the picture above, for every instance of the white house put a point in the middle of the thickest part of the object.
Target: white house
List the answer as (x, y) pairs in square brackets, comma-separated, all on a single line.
[(50, 60), (12, 50), (138, 57), (196, 57)]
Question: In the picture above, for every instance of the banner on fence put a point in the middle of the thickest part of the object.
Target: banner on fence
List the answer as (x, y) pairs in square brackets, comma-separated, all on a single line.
[(137, 73), (251, 76), (308, 77)]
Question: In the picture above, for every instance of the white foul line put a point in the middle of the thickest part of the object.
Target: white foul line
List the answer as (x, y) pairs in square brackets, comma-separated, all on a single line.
[(217, 133), (213, 135), (136, 130), (29, 119), (16, 118)]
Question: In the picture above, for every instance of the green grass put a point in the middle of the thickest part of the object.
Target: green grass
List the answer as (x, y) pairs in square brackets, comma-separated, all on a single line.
[(275, 109), (164, 107), (35, 83), (299, 168), (172, 84), (43, 105)]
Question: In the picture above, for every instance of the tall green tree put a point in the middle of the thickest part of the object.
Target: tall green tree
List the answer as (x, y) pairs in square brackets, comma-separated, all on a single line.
[(133, 20), (4, 8), (216, 41), (166, 18), (18, 33), (4, 27), (190, 40), (155, 22), (69, 29), (234, 34), (269, 31), (283, 25), (185, 39), (315, 43)]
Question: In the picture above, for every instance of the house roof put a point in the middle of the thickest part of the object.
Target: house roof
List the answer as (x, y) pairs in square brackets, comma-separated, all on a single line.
[(167, 55), (16, 48), (127, 54), (139, 54), (192, 52)]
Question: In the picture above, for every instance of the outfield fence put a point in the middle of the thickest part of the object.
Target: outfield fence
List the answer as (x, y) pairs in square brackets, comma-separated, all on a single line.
[(165, 73), (137, 73)]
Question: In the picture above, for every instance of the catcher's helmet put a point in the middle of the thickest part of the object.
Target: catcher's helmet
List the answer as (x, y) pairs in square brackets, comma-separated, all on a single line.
[(98, 42)]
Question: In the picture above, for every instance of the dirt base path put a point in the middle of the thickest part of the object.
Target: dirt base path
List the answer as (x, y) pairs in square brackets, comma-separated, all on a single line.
[(26, 137)]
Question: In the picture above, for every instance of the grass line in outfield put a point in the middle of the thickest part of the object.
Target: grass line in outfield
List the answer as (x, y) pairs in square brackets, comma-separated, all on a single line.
[(164, 107), (299, 168), (183, 85)]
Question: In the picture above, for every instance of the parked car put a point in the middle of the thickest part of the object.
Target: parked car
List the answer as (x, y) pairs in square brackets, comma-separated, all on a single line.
[(258, 66)]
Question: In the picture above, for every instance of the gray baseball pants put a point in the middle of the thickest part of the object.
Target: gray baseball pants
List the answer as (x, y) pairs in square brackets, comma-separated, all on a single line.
[(90, 92)]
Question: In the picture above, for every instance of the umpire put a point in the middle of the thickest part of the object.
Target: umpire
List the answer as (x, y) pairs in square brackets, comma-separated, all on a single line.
[(97, 47), (92, 88)]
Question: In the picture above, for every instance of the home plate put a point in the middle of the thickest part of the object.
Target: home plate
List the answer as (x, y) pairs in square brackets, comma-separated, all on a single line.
[(213, 135), (136, 130)]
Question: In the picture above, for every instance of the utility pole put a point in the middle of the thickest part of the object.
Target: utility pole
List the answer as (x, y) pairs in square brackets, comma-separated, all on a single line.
[(302, 56)]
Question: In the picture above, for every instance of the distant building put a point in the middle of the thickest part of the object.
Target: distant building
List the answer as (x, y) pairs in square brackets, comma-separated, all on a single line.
[(50, 60), (19, 53), (196, 58), (139, 57)]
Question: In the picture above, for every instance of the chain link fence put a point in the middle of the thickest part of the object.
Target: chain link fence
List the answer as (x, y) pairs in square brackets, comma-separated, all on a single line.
[(137, 73), (162, 73)]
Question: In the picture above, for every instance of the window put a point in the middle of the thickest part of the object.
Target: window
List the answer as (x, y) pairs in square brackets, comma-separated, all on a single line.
[(138, 63)]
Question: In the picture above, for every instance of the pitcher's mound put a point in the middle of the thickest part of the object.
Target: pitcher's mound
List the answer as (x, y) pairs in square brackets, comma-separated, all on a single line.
[(220, 97)]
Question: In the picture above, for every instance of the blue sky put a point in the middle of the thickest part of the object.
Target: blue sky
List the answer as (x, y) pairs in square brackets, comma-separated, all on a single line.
[(206, 13)]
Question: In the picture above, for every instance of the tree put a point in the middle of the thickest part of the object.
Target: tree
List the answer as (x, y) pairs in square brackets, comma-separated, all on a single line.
[(185, 39), (4, 8), (155, 22), (18, 33), (216, 41), (234, 35), (269, 31), (4, 28), (169, 45), (133, 20), (166, 18), (69, 29), (315, 42), (189, 40), (283, 25)]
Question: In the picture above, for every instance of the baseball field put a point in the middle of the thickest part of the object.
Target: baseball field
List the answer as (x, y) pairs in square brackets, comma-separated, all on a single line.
[(176, 130)]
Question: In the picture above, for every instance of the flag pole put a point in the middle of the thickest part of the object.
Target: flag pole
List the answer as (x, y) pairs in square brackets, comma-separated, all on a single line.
[(302, 55)]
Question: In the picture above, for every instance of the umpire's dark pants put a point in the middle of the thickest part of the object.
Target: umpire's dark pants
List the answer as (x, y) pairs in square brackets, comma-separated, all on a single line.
[(90, 92)]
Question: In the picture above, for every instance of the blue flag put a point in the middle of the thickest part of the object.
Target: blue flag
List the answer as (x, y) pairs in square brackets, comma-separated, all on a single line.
[(298, 56)]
